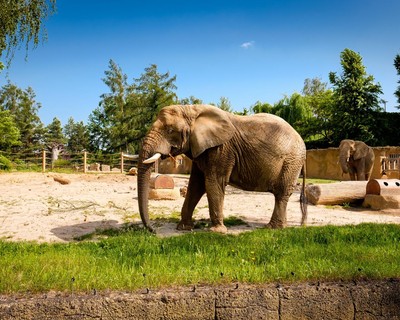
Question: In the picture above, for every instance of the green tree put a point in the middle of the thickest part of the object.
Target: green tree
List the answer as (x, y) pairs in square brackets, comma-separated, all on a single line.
[(9, 133), (55, 139), (152, 91), (262, 107), (128, 110), (77, 138), (224, 104), (356, 98), (98, 131), (320, 101), (114, 107), (21, 21), (24, 108), (191, 100), (397, 66)]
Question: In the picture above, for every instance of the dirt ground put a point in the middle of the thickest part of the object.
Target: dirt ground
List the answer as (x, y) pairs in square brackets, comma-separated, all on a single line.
[(33, 206)]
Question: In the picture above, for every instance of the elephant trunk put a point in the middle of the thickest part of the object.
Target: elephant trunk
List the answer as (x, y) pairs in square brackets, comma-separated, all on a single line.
[(143, 186), (343, 158)]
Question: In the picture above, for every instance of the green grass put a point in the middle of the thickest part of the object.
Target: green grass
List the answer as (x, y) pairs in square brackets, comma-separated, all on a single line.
[(133, 258)]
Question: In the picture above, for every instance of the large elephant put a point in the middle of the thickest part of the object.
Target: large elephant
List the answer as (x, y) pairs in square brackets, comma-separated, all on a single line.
[(261, 152), (356, 159)]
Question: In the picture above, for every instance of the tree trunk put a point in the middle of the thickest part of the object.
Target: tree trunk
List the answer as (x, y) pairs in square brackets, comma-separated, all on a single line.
[(336, 193)]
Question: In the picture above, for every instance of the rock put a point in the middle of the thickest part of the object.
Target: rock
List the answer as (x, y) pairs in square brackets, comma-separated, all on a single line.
[(61, 180), (183, 191), (132, 171), (105, 168)]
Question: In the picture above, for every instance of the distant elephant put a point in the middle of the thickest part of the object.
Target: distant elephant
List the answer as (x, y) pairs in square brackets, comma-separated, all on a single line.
[(260, 152), (356, 159)]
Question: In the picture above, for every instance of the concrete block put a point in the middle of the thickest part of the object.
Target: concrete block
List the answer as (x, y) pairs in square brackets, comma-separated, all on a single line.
[(94, 167), (383, 187), (378, 202)]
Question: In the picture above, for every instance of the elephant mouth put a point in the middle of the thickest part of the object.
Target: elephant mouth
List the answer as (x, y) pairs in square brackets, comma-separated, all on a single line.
[(173, 152)]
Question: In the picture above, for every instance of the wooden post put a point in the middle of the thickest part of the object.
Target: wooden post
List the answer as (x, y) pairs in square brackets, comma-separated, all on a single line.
[(122, 162), (44, 161), (84, 161)]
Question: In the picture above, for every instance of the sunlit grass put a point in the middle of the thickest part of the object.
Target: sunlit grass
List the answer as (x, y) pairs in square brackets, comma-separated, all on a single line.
[(132, 258)]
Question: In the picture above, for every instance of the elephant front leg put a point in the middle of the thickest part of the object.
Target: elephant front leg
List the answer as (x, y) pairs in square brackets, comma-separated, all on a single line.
[(215, 195), (278, 218), (196, 189)]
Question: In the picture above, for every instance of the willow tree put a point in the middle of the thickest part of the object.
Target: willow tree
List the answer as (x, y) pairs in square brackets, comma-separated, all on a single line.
[(21, 21)]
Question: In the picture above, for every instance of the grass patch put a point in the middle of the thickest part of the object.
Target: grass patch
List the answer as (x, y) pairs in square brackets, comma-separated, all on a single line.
[(316, 181), (133, 258)]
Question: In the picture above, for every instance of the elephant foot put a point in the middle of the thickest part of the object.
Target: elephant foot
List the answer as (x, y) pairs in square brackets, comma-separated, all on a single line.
[(272, 225), (219, 229), (186, 226)]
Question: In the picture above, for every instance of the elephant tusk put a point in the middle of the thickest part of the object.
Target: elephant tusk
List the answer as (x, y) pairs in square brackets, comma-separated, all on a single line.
[(153, 158)]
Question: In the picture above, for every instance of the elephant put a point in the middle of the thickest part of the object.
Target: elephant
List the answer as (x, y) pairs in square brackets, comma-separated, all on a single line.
[(356, 159), (261, 152)]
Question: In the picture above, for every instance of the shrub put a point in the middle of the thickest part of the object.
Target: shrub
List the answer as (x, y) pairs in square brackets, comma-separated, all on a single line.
[(5, 164)]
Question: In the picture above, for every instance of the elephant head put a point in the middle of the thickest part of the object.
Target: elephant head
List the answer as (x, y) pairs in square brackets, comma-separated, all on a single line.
[(189, 130)]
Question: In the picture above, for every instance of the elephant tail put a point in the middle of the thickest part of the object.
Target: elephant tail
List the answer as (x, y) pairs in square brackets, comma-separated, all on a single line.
[(303, 198)]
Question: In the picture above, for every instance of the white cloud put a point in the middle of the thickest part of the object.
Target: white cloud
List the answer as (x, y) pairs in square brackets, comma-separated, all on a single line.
[(247, 45)]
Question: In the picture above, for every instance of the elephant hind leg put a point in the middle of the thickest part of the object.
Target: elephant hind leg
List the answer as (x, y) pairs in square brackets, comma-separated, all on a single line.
[(278, 218)]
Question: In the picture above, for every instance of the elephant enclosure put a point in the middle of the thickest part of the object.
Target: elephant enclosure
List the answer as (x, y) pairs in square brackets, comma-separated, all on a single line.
[(34, 206)]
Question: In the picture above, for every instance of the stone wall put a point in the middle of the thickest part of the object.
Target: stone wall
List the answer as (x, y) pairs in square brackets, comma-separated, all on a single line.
[(321, 163), (375, 299), (324, 164)]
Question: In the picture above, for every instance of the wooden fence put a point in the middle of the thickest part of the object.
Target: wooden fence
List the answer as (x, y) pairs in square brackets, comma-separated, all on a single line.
[(78, 162)]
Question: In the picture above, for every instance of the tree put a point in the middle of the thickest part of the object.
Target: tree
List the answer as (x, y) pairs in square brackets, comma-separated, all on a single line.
[(397, 66), (261, 107), (9, 133), (224, 104), (191, 100), (356, 98), (152, 91), (24, 109), (21, 22), (128, 110), (76, 135), (114, 107), (320, 101), (98, 126), (55, 139)]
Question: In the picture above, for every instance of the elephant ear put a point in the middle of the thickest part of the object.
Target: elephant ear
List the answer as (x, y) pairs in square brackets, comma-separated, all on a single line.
[(211, 128), (361, 150)]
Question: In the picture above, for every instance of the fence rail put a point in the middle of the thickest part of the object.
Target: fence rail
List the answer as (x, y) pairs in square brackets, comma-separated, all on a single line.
[(77, 162)]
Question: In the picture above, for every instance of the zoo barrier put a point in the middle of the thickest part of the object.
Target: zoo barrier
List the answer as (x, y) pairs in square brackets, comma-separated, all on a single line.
[(377, 299), (324, 164)]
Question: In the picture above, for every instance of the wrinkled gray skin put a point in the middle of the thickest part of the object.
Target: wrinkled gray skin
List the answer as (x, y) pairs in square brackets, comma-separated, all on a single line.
[(356, 159), (261, 152)]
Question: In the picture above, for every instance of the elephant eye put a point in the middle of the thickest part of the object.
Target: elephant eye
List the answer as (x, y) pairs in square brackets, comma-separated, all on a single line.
[(169, 130)]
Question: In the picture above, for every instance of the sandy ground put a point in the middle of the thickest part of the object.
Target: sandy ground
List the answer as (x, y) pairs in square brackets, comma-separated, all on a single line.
[(33, 206)]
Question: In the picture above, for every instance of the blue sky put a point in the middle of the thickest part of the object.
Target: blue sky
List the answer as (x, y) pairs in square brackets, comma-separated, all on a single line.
[(246, 51)]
